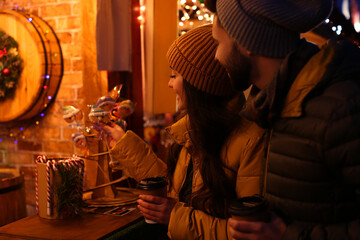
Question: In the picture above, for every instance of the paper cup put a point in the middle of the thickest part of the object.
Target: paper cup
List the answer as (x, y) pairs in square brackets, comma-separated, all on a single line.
[(153, 186), (253, 208)]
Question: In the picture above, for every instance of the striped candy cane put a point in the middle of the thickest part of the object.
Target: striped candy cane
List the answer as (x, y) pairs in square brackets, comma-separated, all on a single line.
[(39, 159), (49, 198)]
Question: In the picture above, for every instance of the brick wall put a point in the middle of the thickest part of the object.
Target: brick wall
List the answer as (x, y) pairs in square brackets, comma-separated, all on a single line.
[(52, 136)]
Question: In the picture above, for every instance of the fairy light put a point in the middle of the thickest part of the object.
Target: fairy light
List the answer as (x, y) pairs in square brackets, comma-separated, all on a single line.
[(192, 14), (42, 114), (30, 19), (49, 97), (21, 129)]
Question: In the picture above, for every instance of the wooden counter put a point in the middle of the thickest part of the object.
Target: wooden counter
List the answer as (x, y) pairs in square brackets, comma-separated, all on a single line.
[(88, 226)]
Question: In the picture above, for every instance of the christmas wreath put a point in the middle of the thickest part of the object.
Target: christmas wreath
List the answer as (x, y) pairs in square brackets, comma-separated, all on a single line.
[(11, 65)]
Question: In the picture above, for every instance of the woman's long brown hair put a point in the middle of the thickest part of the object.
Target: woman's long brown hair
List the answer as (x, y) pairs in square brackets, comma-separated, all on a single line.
[(211, 123)]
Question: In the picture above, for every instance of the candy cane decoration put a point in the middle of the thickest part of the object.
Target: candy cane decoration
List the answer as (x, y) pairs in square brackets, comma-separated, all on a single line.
[(39, 159), (75, 162), (49, 198)]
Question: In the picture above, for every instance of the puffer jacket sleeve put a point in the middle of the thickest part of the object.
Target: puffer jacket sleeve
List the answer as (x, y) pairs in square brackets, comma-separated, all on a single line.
[(136, 158), (188, 223)]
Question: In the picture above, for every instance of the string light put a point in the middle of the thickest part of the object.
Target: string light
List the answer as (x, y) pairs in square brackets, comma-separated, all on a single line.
[(192, 14)]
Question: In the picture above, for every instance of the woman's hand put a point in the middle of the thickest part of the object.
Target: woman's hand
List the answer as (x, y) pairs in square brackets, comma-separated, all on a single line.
[(156, 208), (245, 230), (112, 133)]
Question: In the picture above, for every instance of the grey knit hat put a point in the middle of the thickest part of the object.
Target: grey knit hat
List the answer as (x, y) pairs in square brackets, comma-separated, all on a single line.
[(271, 28), (193, 56)]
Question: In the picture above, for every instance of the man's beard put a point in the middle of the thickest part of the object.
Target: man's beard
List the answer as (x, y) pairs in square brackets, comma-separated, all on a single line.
[(238, 67)]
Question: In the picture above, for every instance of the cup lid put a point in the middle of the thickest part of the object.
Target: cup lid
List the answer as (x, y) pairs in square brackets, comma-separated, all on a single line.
[(248, 205), (152, 183)]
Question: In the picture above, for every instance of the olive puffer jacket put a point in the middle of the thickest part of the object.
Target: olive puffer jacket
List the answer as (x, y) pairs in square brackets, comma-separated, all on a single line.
[(243, 156), (313, 173)]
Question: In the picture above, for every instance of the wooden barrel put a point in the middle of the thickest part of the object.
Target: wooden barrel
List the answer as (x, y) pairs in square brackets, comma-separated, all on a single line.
[(43, 65), (12, 195)]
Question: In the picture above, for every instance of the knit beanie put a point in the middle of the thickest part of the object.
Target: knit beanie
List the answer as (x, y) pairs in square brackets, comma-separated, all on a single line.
[(271, 28), (193, 56)]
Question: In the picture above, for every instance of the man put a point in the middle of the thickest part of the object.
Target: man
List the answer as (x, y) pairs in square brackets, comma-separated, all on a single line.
[(309, 100)]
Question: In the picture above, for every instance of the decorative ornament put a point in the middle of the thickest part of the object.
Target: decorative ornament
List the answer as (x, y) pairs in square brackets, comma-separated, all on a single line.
[(79, 140), (106, 103), (6, 71), (98, 115), (115, 92), (123, 109), (71, 114), (64, 186), (11, 65)]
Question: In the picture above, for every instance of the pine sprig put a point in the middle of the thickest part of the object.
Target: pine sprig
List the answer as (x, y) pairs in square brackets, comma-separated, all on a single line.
[(69, 200), (11, 65)]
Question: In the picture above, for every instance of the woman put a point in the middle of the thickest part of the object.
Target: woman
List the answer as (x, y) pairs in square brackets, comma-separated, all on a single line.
[(216, 156)]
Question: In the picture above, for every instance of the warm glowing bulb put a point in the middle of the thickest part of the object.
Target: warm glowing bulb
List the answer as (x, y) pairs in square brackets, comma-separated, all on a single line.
[(37, 122), (142, 8), (140, 18), (183, 18), (200, 17), (194, 7), (181, 24), (357, 26)]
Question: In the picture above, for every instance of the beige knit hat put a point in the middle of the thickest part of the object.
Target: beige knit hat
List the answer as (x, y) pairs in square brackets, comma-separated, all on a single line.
[(193, 56)]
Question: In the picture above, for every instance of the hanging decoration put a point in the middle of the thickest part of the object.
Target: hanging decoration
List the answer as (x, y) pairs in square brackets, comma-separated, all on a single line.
[(109, 108), (11, 65)]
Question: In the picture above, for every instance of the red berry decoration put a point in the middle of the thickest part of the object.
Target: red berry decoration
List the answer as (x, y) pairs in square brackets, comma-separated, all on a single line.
[(6, 71)]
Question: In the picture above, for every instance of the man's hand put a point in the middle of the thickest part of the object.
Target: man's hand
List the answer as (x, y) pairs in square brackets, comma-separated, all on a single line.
[(245, 230)]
